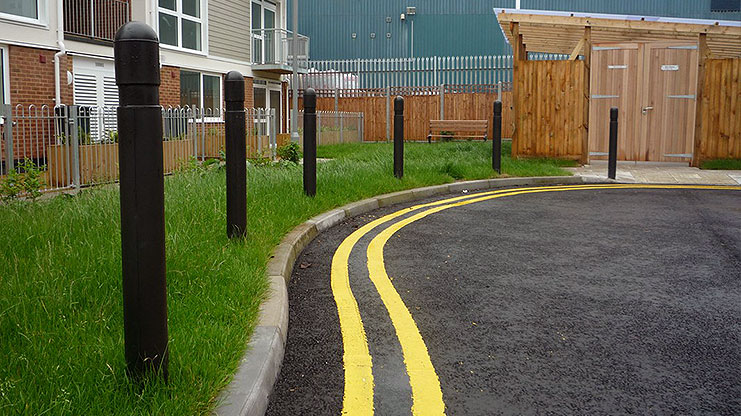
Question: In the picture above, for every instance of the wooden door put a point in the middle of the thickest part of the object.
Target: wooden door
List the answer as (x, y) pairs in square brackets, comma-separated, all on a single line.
[(668, 106), (614, 76)]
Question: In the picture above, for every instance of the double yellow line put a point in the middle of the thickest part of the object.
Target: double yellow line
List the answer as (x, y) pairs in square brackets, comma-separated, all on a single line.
[(426, 392)]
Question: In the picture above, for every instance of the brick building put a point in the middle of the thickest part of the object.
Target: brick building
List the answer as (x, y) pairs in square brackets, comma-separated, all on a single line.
[(61, 52)]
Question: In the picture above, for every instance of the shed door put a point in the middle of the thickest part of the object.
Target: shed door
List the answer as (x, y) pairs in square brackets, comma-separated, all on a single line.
[(613, 79), (668, 107)]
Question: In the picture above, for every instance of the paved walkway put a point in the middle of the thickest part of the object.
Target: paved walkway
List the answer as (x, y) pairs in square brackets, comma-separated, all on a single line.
[(651, 172)]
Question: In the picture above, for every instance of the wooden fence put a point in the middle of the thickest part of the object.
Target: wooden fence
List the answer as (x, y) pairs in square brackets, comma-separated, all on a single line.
[(719, 111), (550, 109), (421, 104)]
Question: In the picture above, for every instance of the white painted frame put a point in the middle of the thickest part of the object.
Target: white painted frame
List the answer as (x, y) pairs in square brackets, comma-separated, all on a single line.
[(40, 19), (273, 7), (5, 63), (178, 13)]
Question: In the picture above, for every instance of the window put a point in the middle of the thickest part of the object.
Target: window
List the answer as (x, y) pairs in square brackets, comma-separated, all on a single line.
[(22, 10), (200, 90), (725, 5), (180, 23), (4, 90), (263, 32)]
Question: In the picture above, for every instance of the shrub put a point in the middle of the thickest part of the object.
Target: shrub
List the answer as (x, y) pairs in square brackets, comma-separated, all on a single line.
[(28, 182), (290, 152)]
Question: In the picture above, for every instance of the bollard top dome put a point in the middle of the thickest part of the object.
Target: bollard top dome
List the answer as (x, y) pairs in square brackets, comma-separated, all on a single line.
[(136, 31), (614, 113), (398, 103), (497, 106), (234, 86), (310, 98)]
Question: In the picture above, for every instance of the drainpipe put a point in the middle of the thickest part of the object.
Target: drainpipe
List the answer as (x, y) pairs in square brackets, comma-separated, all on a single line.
[(62, 51)]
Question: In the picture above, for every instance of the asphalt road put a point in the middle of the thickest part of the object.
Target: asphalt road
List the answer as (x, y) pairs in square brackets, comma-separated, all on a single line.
[(612, 301)]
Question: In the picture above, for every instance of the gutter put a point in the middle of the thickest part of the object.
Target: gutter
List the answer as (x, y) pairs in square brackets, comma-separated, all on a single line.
[(62, 51)]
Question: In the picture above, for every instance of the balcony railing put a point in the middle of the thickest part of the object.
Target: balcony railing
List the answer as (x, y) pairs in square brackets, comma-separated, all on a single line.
[(272, 50), (95, 19)]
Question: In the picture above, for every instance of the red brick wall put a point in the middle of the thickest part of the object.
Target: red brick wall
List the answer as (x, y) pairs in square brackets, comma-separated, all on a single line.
[(169, 86), (32, 81), (249, 97)]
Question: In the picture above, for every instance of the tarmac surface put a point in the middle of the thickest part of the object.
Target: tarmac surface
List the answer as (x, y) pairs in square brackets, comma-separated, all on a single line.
[(601, 301)]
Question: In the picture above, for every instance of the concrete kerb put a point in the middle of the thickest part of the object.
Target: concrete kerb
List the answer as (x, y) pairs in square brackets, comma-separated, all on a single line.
[(250, 389)]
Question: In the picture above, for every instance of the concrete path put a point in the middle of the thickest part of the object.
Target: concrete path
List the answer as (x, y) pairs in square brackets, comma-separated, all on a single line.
[(650, 172), (602, 299)]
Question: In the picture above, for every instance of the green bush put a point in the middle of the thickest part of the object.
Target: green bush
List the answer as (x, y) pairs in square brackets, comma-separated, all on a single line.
[(290, 152), (28, 182)]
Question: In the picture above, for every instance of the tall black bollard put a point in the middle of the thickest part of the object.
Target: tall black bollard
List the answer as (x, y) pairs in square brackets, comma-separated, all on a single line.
[(136, 51), (612, 155), (399, 137), (496, 140), (310, 142), (236, 156)]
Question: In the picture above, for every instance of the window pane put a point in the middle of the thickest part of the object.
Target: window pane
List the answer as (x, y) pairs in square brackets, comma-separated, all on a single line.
[(168, 29), (211, 92), (24, 8), (168, 4), (191, 35), (256, 16), (190, 89), (269, 19), (259, 97), (192, 8)]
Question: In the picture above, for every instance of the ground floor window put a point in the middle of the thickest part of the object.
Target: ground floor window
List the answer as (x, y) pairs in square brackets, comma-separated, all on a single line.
[(200, 90)]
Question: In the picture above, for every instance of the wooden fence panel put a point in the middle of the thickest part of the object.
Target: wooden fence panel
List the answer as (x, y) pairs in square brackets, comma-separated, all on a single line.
[(551, 104), (720, 110), (419, 110)]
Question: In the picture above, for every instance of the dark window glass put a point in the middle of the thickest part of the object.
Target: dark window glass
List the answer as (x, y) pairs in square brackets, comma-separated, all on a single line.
[(190, 89)]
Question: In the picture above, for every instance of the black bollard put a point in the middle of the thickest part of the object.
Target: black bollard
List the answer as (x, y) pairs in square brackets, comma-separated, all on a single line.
[(236, 156), (136, 51), (310, 142), (612, 155), (496, 140), (399, 137)]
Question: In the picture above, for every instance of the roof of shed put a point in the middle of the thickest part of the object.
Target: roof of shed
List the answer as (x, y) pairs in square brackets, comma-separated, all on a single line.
[(560, 32)]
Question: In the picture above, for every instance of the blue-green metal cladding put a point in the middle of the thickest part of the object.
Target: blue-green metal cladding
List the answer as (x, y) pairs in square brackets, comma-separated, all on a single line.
[(448, 27)]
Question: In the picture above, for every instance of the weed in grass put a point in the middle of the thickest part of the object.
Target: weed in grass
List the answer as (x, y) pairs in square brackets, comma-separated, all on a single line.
[(61, 323), (721, 164)]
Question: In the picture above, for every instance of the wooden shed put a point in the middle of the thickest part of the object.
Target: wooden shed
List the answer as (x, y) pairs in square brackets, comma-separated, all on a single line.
[(674, 81)]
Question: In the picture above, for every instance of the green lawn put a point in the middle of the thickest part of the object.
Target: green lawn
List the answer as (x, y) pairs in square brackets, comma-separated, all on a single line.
[(721, 164), (61, 336)]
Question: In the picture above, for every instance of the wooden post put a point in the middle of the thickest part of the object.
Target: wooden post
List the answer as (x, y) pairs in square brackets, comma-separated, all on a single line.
[(587, 40), (703, 54), (519, 54)]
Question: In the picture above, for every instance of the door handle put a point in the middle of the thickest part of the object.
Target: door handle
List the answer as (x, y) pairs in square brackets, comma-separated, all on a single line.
[(644, 110)]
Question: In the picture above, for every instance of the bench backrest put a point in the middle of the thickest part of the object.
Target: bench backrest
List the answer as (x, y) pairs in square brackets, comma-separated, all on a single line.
[(462, 126)]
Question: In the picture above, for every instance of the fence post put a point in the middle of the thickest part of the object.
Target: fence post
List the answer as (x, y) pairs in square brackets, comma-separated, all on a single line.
[(310, 142), (496, 140), (399, 137), (499, 91), (318, 126), (9, 162), (442, 101), (361, 127), (612, 155), (336, 100), (236, 156), (74, 143), (136, 51), (273, 132), (388, 113), (341, 127)]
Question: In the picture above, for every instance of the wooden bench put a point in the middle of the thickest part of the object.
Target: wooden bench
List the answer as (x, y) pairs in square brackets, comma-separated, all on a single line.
[(474, 129)]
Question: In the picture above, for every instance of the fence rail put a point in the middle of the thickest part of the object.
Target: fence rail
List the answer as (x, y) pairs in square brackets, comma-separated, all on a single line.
[(78, 145), (95, 19)]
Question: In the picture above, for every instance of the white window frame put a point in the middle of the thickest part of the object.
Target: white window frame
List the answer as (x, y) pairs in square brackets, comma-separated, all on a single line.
[(5, 63), (263, 5), (40, 19), (201, 95), (178, 13)]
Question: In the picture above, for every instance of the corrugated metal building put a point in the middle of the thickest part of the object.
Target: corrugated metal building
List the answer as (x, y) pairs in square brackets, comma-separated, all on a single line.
[(348, 29)]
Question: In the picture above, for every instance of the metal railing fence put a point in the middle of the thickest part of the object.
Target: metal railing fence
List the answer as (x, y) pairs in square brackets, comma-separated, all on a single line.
[(334, 127), (275, 47), (78, 145), (95, 19)]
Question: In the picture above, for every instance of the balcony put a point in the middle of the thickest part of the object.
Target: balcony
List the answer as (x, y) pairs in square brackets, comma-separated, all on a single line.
[(95, 20), (272, 51)]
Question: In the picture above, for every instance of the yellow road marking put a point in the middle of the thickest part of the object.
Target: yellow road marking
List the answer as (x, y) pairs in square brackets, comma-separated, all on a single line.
[(426, 391)]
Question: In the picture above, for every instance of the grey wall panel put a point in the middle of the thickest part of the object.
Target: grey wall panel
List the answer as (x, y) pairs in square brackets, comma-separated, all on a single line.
[(229, 29)]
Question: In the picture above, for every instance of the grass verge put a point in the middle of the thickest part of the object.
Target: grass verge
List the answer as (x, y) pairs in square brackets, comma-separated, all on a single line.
[(61, 323), (721, 164)]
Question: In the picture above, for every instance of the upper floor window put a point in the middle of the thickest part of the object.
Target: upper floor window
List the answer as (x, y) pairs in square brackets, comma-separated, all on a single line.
[(180, 23), (22, 10)]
